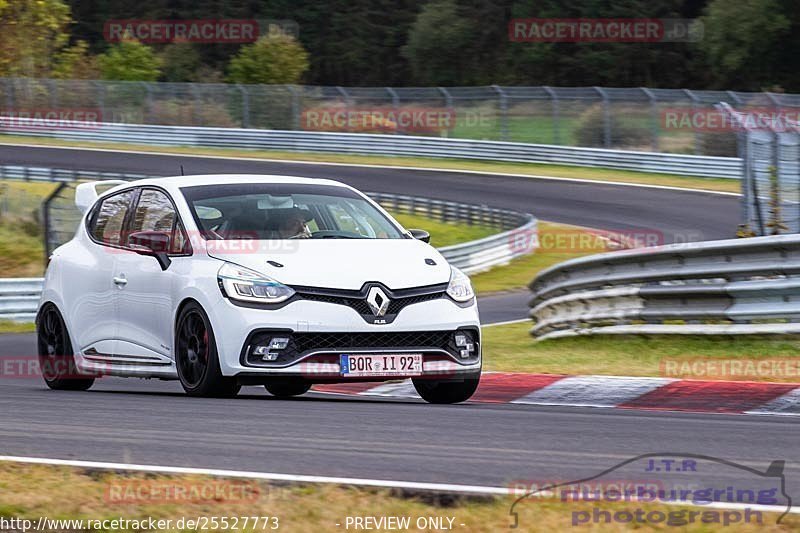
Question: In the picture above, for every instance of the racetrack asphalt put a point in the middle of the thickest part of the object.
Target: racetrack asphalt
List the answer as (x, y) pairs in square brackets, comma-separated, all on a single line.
[(151, 422)]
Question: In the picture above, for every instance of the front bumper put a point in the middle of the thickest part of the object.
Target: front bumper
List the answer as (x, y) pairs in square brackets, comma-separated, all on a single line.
[(320, 332)]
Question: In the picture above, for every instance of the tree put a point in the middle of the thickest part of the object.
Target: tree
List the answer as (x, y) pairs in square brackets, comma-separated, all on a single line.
[(743, 40), (273, 59), (32, 32), (180, 62), (129, 61), (75, 62), (438, 42)]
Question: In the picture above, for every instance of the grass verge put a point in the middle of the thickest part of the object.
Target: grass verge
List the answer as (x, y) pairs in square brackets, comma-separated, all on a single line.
[(31, 492), (531, 169), (558, 243), (444, 233), (6, 326), (510, 348)]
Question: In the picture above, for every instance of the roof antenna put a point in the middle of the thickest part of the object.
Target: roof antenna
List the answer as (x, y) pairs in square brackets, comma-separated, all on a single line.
[(182, 174)]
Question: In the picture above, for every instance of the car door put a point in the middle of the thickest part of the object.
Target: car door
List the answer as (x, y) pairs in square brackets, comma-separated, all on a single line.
[(145, 295), (88, 277)]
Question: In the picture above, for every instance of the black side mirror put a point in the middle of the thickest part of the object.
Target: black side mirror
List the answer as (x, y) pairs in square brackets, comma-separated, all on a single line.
[(152, 243), (420, 235)]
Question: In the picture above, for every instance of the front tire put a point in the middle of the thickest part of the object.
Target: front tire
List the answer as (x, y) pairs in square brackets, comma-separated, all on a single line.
[(447, 391), (196, 356), (56, 358), (287, 389)]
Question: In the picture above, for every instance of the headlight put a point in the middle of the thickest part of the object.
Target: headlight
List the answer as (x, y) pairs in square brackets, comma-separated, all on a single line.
[(247, 285), (459, 289)]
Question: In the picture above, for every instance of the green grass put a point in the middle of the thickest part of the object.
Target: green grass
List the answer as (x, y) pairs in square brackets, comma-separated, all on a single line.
[(16, 327), (519, 272), (564, 171), (510, 348), (21, 250), (33, 491), (444, 233)]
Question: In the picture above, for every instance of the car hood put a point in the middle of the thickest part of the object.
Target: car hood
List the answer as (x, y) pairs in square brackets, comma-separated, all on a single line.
[(339, 263)]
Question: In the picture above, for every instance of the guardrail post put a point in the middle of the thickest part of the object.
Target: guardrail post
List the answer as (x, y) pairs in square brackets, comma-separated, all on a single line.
[(606, 117), (654, 125), (503, 101), (556, 113)]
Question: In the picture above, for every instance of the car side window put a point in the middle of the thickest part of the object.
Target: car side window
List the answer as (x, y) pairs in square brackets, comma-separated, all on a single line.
[(110, 218), (155, 212)]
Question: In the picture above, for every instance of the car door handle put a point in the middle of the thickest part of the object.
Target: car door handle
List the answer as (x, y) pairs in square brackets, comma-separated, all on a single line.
[(120, 281)]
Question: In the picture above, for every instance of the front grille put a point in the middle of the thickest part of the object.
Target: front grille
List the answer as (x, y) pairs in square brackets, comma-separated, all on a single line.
[(357, 300), (340, 342), (359, 304), (307, 342)]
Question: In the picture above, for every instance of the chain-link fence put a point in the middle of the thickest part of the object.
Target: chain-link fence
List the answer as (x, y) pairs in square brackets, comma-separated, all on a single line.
[(769, 147), (661, 120)]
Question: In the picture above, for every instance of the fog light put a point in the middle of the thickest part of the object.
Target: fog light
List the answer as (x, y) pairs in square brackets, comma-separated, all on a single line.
[(465, 343), (264, 353), (278, 343)]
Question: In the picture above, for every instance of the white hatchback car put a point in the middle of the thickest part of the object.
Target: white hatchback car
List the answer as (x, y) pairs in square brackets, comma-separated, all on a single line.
[(229, 280)]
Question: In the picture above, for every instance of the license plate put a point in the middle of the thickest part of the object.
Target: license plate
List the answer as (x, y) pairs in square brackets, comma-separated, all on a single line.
[(360, 365)]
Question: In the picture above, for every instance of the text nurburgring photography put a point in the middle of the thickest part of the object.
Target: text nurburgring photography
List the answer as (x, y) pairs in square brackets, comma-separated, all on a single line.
[(419, 266)]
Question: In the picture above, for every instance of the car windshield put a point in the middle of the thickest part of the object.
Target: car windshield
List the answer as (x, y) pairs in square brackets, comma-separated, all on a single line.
[(268, 211)]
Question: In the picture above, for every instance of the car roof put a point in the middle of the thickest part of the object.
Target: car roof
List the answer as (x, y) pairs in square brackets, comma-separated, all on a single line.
[(221, 179)]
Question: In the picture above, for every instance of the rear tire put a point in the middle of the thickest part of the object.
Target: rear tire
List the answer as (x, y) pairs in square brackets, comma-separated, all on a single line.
[(447, 391), (196, 356), (287, 389), (56, 358)]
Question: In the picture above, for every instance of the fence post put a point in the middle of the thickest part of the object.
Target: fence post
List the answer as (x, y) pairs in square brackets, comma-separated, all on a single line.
[(245, 105), (295, 107), (347, 102), (556, 114), (9, 83), (503, 112), (698, 140), (100, 98), (654, 126), (606, 117), (148, 103), (395, 102)]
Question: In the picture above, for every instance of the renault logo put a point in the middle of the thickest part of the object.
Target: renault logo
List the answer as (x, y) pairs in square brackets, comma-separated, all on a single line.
[(378, 301)]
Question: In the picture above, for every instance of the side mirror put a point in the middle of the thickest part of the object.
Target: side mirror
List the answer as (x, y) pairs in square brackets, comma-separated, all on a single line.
[(420, 235), (152, 243)]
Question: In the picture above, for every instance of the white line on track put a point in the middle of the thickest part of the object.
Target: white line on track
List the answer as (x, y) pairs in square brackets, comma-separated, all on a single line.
[(377, 483), (394, 167), (505, 323)]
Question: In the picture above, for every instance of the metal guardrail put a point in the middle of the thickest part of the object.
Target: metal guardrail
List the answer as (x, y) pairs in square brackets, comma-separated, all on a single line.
[(384, 145), (739, 286), (19, 298)]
